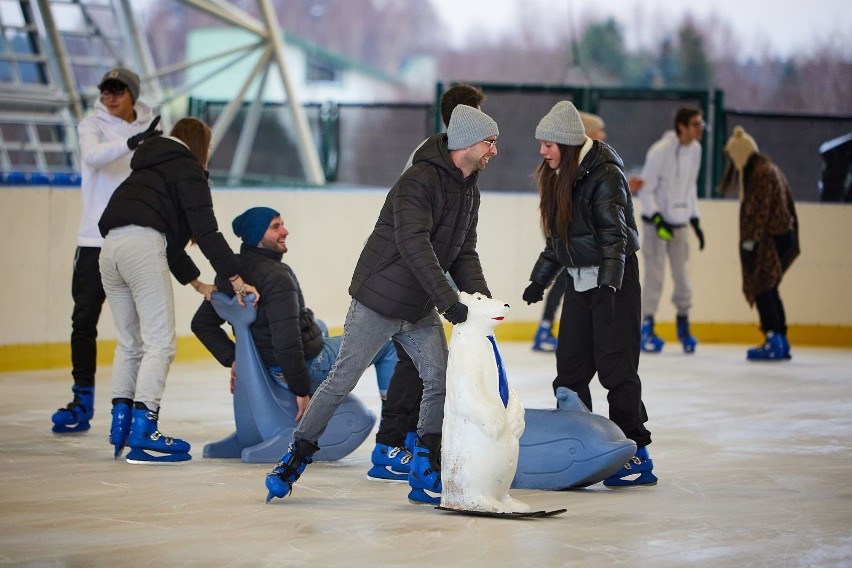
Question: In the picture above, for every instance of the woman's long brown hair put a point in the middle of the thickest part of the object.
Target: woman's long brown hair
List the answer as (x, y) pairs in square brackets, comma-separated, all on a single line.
[(554, 187), (196, 135)]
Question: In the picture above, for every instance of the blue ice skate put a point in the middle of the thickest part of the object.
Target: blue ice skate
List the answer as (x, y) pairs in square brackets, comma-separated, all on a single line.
[(425, 475), (279, 482), (76, 416), (684, 336), (120, 427), (544, 340), (389, 464), (145, 437), (410, 442), (773, 349), (649, 341), (640, 464)]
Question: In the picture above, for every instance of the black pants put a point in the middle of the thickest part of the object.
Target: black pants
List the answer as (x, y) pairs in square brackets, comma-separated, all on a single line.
[(554, 296), (88, 293), (771, 311), (401, 410), (588, 345)]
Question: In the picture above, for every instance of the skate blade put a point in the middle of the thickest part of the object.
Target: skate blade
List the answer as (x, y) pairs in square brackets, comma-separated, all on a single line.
[(517, 515), (421, 497), (63, 429), (137, 456), (386, 475), (645, 479)]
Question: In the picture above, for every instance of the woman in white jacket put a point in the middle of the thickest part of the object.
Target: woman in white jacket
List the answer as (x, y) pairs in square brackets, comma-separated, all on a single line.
[(108, 137)]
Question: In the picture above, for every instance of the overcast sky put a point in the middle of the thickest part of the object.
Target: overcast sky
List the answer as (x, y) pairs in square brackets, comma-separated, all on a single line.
[(782, 27)]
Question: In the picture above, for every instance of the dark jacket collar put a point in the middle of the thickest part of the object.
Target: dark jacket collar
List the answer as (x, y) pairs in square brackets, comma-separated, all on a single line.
[(249, 249)]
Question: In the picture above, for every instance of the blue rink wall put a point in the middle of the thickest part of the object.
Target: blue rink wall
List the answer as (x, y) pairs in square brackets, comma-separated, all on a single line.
[(327, 231)]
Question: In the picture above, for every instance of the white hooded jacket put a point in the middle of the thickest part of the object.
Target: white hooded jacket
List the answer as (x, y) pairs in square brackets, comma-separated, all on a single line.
[(671, 180), (105, 163)]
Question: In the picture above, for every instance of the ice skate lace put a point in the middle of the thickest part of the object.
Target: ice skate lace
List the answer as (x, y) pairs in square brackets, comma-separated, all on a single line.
[(157, 435), (286, 470), (395, 452)]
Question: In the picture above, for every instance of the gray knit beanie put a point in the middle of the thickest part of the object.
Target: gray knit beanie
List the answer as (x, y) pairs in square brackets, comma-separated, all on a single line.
[(469, 126), (562, 125), (124, 76)]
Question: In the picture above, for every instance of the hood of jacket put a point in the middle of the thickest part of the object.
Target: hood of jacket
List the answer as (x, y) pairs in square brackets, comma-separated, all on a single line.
[(157, 151), (434, 151), (600, 153), (143, 114)]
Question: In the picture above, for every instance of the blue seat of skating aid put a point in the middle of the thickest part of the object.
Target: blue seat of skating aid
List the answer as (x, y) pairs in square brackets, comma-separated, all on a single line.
[(569, 446), (265, 412)]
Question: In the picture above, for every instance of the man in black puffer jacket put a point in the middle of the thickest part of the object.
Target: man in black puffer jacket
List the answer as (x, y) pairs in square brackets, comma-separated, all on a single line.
[(426, 228), (287, 336)]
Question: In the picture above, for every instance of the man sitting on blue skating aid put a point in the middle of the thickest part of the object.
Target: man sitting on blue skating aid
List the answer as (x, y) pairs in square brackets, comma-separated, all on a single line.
[(290, 341)]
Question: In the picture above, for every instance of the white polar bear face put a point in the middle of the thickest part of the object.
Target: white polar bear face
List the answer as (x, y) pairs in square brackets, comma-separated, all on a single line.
[(483, 313)]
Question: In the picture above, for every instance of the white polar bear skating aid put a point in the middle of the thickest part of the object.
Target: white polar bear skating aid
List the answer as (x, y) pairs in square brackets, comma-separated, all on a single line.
[(483, 418)]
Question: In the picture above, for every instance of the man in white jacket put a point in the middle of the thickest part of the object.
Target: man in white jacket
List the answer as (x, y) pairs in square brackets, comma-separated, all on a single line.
[(108, 137), (669, 198)]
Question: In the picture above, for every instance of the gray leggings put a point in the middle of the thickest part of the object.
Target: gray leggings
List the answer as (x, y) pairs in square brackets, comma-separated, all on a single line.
[(138, 286)]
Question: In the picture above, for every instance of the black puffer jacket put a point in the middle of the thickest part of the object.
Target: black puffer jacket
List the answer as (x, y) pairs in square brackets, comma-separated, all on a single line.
[(285, 332), (426, 227), (168, 191), (603, 228)]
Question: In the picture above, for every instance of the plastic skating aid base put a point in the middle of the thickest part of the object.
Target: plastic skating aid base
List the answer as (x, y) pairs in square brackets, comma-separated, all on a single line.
[(530, 515)]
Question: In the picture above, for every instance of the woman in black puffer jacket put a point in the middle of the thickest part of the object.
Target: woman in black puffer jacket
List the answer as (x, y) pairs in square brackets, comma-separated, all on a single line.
[(149, 220), (587, 217)]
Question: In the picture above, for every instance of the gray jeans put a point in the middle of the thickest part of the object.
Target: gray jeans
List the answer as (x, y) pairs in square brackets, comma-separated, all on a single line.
[(654, 253), (365, 332), (138, 285)]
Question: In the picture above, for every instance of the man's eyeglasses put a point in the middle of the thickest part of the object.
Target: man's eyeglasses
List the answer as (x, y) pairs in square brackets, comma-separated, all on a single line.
[(116, 92), (698, 123), (491, 143)]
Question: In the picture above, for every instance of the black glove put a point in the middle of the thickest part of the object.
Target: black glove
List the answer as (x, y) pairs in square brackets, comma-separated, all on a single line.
[(134, 141), (455, 314), (696, 226), (534, 293), (605, 300), (664, 230)]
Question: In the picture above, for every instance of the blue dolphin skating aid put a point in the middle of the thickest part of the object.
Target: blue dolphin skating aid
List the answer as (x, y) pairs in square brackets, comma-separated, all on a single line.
[(265, 412)]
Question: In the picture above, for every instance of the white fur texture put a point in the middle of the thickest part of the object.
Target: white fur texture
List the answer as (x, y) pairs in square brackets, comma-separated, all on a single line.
[(480, 436)]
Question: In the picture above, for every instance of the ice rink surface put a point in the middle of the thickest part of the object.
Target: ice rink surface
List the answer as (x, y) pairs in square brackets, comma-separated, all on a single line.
[(754, 462)]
